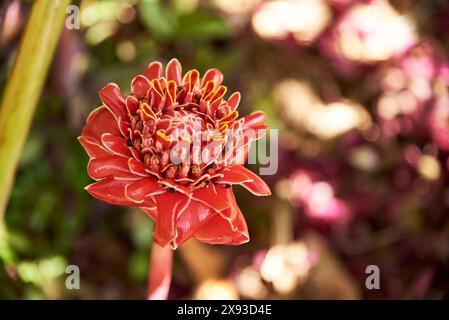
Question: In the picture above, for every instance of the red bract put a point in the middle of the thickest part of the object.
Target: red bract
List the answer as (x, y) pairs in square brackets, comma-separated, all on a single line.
[(173, 148)]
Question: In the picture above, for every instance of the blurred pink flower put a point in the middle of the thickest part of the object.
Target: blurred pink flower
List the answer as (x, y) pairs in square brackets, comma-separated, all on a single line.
[(317, 198), (302, 20), (414, 96), (367, 33)]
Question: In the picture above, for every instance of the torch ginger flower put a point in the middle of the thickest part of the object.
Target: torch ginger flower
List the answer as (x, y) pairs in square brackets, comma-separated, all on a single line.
[(135, 144)]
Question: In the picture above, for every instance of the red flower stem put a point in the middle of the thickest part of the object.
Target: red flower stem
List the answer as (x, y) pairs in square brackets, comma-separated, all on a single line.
[(160, 272)]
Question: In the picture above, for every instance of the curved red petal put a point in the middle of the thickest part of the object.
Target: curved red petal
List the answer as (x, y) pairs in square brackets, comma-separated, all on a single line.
[(240, 152), (111, 166), (123, 126), (238, 174), (214, 75), (138, 190), (114, 100), (254, 121), (174, 71), (111, 191), (231, 230), (136, 154), (116, 145), (195, 215), (234, 100), (93, 150), (137, 168), (214, 196), (169, 206), (140, 86), (132, 105), (175, 186), (154, 70), (100, 121), (150, 211)]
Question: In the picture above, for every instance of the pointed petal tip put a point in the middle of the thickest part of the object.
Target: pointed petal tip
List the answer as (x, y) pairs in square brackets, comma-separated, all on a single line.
[(140, 85), (88, 188), (238, 174), (262, 190), (153, 71), (267, 193), (108, 85), (174, 60), (173, 71), (113, 99), (255, 120), (154, 64)]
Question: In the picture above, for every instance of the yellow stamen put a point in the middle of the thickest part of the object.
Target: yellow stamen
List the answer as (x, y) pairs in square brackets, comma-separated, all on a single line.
[(194, 76), (217, 137), (157, 87), (229, 117), (219, 93), (162, 135), (171, 91), (208, 90), (223, 127), (146, 109)]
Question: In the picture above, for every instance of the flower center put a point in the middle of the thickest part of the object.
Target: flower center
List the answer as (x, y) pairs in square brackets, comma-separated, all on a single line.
[(180, 136)]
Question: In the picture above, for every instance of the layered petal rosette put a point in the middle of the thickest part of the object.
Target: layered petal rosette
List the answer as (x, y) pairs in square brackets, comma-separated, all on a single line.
[(174, 147)]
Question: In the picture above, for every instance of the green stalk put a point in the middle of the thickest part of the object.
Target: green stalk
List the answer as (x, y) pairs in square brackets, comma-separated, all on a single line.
[(25, 85)]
